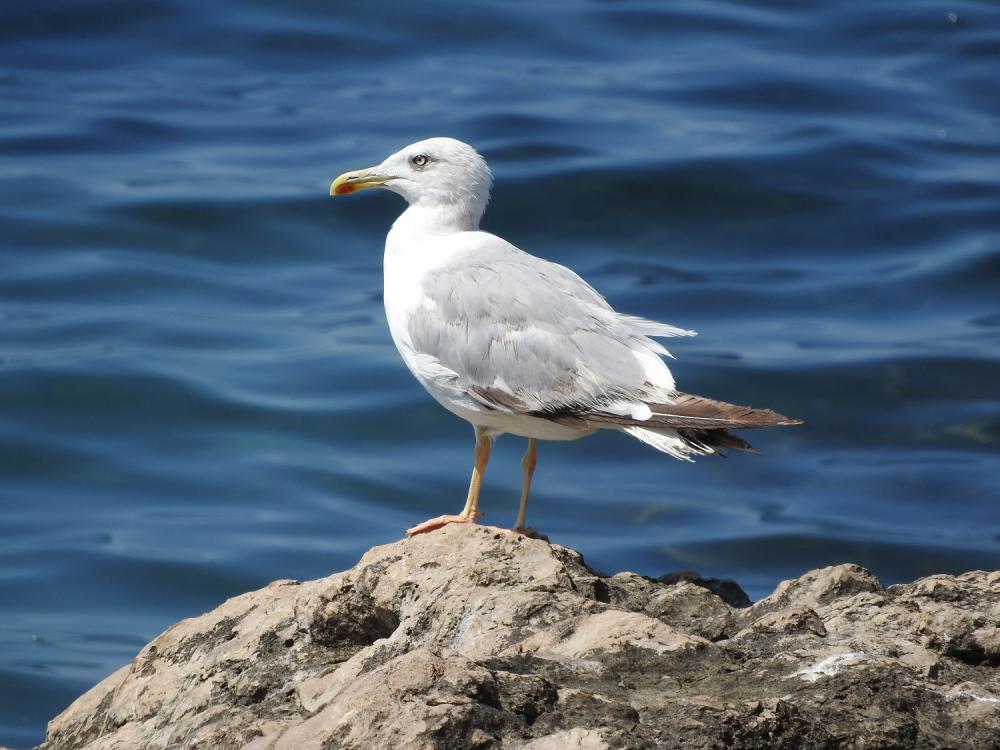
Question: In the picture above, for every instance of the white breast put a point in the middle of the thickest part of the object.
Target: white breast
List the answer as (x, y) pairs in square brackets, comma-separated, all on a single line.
[(409, 257), (402, 291), (411, 252)]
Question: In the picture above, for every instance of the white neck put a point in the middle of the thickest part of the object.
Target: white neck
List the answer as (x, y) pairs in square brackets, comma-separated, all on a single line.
[(438, 219)]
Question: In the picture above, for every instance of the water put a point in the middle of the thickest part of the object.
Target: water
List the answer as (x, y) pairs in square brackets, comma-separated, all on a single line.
[(198, 393)]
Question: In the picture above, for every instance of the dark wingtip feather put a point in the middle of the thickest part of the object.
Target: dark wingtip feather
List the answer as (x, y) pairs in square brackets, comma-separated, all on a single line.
[(717, 440)]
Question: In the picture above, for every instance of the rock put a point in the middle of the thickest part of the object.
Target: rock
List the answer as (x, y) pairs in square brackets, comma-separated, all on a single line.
[(472, 637), (726, 588), (792, 620)]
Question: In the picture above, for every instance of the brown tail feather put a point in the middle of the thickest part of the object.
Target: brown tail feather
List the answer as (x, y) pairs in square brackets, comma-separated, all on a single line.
[(697, 413), (705, 413)]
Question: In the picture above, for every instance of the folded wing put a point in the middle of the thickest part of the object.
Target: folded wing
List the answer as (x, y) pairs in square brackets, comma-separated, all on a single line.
[(529, 336)]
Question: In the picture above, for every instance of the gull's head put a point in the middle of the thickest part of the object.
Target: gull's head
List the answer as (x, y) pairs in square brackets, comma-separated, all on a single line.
[(437, 172)]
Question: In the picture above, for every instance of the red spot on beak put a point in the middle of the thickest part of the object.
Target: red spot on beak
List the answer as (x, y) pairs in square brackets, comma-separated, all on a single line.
[(344, 189)]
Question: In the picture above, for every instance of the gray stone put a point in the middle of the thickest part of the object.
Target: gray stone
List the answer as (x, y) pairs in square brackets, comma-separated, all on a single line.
[(726, 588), (473, 637)]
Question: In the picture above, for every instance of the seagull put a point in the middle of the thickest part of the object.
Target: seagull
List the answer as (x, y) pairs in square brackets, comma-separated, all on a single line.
[(516, 344)]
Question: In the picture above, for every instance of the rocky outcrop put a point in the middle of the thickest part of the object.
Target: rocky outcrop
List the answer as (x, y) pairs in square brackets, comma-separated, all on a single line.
[(473, 637)]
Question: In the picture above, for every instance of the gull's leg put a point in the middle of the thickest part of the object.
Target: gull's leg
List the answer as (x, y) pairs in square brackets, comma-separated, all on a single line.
[(470, 512), (528, 464), (482, 455)]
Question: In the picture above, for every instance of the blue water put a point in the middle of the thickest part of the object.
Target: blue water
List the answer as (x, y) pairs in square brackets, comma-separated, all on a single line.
[(198, 393)]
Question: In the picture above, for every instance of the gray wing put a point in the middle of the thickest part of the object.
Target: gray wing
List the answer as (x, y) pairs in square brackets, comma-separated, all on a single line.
[(526, 335)]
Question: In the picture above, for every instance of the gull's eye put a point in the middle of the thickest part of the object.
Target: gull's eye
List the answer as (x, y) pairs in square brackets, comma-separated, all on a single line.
[(420, 160)]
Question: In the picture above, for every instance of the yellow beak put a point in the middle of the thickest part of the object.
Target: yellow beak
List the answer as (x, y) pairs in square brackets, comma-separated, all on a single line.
[(360, 179)]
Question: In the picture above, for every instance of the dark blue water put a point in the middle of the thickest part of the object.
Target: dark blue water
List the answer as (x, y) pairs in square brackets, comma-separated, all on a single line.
[(198, 393)]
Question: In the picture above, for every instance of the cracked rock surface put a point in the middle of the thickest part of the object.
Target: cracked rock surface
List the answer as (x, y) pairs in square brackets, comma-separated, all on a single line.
[(474, 637)]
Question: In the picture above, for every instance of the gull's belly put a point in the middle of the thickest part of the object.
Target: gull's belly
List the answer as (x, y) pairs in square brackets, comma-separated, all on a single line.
[(497, 422)]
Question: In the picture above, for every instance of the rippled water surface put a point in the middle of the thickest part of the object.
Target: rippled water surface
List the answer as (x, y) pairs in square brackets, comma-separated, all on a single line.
[(198, 393)]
